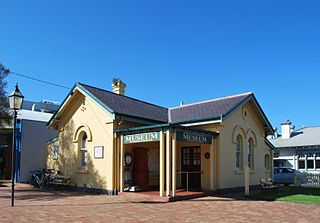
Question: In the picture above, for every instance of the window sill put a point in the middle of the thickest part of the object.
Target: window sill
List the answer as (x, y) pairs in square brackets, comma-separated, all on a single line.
[(83, 171)]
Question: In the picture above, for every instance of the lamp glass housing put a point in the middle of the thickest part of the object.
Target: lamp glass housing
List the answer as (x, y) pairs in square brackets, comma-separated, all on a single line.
[(16, 99)]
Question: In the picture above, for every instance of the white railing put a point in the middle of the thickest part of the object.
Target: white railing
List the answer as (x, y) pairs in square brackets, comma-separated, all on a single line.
[(307, 179)]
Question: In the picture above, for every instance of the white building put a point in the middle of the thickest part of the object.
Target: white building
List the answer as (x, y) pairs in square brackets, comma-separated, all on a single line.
[(298, 149), (31, 144)]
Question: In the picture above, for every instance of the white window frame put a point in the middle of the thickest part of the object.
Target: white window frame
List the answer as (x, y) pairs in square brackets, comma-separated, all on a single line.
[(311, 157), (302, 157), (239, 152), (316, 157), (84, 151), (250, 154), (55, 151)]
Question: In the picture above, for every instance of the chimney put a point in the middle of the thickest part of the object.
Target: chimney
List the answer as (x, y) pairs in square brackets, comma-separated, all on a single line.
[(286, 130), (118, 86), (181, 103)]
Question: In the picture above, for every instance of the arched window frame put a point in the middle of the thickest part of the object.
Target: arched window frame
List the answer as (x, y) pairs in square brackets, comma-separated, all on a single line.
[(250, 154), (239, 151), (83, 150)]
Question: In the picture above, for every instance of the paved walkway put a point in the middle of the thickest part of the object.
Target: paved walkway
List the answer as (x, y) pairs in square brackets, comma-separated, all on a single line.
[(35, 206)]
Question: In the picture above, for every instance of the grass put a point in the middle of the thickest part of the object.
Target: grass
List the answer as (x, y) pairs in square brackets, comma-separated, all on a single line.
[(291, 194)]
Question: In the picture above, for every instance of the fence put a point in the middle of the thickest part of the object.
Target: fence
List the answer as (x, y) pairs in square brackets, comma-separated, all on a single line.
[(307, 180)]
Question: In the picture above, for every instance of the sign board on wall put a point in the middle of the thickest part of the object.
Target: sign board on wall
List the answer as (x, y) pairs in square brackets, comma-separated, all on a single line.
[(98, 152), (141, 137), (199, 138)]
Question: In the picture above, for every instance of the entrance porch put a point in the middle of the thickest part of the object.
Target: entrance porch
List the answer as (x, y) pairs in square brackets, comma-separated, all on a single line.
[(169, 160)]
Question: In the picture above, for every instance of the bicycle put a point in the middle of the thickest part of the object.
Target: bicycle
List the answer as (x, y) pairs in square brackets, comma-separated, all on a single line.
[(35, 179), (42, 179), (47, 178)]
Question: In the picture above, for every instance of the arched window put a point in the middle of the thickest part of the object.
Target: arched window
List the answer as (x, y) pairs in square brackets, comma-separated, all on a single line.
[(84, 151), (267, 162), (250, 154), (239, 152)]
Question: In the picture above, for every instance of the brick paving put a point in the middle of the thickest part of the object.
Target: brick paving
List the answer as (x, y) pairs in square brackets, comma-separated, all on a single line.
[(33, 205)]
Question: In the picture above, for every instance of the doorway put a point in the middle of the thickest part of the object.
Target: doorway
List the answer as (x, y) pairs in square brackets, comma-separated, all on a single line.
[(140, 168), (191, 167)]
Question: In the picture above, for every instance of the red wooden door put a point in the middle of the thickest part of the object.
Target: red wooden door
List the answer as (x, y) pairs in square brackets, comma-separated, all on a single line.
[(140, 168)]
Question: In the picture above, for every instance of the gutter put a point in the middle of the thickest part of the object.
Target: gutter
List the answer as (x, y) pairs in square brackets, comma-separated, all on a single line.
[(162, 127), (269, 144), (216, 118)]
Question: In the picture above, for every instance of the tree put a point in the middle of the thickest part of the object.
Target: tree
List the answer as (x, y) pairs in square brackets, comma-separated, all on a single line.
[(4, 105)]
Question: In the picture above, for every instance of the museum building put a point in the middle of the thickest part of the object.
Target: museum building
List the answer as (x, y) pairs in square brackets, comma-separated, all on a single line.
[(109, 142)]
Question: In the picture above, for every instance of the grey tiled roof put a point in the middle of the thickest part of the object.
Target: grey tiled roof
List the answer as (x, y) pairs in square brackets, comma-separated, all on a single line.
[(27, 105), (307, 136), (128, 106), (207, 109), (121, 104)]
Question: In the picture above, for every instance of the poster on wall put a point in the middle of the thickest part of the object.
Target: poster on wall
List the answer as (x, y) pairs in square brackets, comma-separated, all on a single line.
[(98, 152)]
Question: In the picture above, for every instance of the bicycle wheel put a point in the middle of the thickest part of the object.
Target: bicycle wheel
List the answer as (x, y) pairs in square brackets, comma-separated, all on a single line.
[(32, 182)]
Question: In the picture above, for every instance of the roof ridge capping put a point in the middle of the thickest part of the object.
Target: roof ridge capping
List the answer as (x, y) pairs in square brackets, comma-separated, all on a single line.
[(307, 127), (212, 100), (79, 83)]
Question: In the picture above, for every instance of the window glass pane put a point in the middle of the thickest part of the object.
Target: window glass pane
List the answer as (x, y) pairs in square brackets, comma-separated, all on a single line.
[(250, 154), (286, 170), (237, 160), (276, 155), (317, 164), (238, 152), (301, 164), (55, 152), (84, 158), (310, 164), (84, 141)]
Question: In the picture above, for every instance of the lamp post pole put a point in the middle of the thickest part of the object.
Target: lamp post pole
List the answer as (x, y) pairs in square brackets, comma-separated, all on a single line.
[(13, 167), (15, 102)]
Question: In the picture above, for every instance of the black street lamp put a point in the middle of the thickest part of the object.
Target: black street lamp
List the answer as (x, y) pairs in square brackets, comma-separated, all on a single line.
[(15, 102)]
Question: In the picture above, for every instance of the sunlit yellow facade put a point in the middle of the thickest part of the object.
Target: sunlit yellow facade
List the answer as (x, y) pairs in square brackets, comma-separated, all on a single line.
[(99, 160)]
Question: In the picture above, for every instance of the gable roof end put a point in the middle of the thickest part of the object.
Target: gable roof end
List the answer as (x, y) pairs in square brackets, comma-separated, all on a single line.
[(124, 105), (114, 103), (77, 87)]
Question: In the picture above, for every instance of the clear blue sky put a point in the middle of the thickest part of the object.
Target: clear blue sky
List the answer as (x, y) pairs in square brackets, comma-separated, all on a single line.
[(170, 51)]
